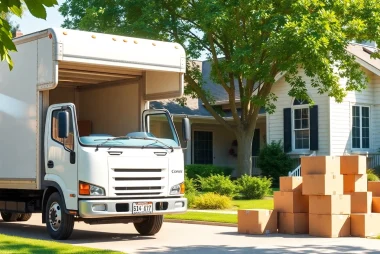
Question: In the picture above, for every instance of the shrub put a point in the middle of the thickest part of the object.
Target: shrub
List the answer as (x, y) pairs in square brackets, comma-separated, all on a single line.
[(253, 187), (218, 184), (274, 162), (190, 191), (371, 175), (190, 186), (194, 170), (212, 201)]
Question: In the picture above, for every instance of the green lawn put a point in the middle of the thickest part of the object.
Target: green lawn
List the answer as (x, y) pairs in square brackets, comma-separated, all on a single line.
[(204, 216), (12, 244), (222, 217), (253, 204)]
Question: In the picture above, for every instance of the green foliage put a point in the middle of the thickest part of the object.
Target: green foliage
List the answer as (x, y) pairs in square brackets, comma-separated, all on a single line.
[(190, 191), (253, 187), (195, 170), (248, 43), (14, 7), (218, 184), (372, 176), (212, 201), (274, 162)]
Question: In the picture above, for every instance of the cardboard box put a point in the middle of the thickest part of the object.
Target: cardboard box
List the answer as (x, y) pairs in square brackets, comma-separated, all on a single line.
[(355, 183), (374, 187), (375, 205), (331, 204), (322, 184), (361, 202), (365, 224), (329, 225), (257, 221), (291, 183), (293, 223), (353, 165), (290, 202), (314, 165)]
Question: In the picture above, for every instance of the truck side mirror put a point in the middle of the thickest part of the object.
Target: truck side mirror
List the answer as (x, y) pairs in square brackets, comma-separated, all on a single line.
[(186, 130), (63, 124)]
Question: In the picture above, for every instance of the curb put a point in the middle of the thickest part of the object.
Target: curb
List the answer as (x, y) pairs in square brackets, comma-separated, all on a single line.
[(208, 223)]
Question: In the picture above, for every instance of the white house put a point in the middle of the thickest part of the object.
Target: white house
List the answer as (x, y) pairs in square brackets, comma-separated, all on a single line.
[(327, 128)]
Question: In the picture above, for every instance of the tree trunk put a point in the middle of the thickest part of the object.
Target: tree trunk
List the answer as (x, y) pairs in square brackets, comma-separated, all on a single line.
[(244, 154)]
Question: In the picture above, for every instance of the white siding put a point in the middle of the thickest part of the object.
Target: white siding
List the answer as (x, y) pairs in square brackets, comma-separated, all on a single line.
[(275, 121), (341, 116)]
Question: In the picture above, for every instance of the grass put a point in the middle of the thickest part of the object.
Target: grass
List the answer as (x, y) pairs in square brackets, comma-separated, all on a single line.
[(13, 244), (252, 204), (204, 216), (224, 217)]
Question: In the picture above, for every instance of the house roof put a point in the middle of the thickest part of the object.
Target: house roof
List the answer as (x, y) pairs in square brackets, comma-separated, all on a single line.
[(363, 56)]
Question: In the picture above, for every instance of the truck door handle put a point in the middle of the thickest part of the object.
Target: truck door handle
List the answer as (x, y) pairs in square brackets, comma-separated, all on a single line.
[(50, 164)]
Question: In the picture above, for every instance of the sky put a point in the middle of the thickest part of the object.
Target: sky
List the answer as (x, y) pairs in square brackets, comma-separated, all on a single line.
[(29, 24)]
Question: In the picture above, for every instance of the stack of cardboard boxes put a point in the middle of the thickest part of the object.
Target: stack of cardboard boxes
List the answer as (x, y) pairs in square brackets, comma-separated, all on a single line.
[(329, 209), (330, 199)]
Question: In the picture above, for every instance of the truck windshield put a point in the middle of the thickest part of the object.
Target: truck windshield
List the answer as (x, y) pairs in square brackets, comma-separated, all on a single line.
[(158, 132)]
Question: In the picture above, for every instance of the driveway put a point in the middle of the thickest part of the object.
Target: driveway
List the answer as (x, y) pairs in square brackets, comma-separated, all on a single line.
[(190, 238)]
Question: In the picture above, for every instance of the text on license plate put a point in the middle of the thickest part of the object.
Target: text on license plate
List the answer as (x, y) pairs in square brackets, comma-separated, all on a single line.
[(142, 208)]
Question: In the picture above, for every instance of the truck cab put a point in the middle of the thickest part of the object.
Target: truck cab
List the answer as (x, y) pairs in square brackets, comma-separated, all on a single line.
[(96, 152)]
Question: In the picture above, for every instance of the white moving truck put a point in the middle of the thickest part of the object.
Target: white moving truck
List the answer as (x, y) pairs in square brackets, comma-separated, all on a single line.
[(77, 139)]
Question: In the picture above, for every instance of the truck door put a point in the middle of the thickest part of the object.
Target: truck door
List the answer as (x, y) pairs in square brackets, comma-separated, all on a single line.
[(61, 162)]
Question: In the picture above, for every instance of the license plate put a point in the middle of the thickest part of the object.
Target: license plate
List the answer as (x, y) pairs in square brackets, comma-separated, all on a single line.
[(142, 208)]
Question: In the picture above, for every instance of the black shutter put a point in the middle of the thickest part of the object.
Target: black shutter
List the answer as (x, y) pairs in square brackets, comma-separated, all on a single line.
[(314, 128), (287, 130)]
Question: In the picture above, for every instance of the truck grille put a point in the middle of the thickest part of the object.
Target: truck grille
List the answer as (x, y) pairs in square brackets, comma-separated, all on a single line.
[(138, 182)]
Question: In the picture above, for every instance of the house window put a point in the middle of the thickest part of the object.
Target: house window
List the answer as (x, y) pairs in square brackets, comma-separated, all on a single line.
[(360, 127), (203, 148), (301, 126)]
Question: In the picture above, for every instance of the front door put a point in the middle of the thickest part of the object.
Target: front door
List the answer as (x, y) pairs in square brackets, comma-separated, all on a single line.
[(203, 147), (61, 162)]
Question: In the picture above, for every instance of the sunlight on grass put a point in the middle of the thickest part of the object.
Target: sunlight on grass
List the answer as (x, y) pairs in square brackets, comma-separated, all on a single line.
[(253, 204), (204, 216), (13, 244)]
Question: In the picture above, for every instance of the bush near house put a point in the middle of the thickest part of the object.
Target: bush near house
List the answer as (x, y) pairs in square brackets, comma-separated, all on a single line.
[(212, 201), (219, 184), (219, 188), (274, 162), (371, 175), (194, 170), (253, 187)]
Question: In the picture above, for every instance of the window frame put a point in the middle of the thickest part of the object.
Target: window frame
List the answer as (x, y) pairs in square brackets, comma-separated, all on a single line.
[(71, 122), (299, 107), (361, 106), (193, 143)]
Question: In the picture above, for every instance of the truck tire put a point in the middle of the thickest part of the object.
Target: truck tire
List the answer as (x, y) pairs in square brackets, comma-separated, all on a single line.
[(150, 226), (24, 216), (8, 217), (59, 224)]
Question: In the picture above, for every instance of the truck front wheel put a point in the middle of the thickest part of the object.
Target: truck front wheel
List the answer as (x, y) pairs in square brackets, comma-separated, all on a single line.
[(59, 224), (150, 226), (8, 217)]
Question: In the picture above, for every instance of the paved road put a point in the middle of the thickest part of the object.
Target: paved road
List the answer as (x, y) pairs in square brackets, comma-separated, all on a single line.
[(186, 238)]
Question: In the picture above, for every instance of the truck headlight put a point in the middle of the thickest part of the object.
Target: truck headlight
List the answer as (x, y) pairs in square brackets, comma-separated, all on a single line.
[(87, 189), (177, 189)]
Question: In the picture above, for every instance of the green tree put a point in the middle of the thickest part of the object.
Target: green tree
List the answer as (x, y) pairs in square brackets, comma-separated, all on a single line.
[(249, 42), (15, 7)]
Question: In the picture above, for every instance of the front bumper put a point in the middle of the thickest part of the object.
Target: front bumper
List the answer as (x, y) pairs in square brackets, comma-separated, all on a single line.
[(99, 208)]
